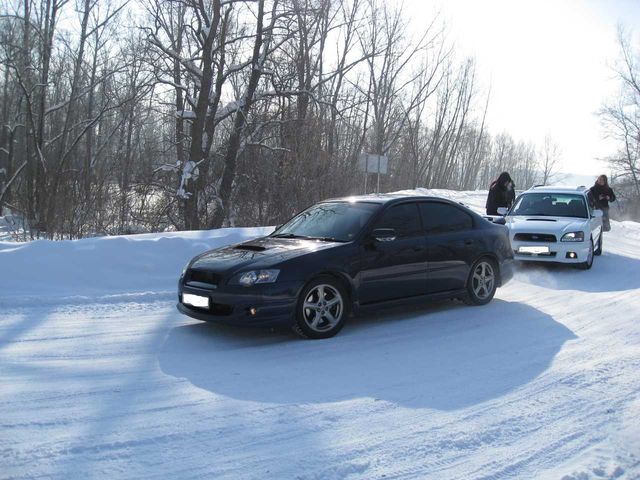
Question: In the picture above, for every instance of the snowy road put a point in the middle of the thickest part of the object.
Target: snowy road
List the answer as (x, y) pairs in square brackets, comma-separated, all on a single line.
[(542, 383)]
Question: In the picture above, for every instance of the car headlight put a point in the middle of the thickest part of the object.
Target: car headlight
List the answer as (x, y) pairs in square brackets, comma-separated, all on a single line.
[(573, 237), (258, 276)]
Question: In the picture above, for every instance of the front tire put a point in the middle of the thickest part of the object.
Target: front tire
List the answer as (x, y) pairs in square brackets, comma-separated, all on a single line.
[(482, 282), (598, 250), (323, 307), (589, 263)]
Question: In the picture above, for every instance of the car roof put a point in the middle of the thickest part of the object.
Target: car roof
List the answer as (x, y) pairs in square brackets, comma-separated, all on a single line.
[(384, 198), (557, 189)]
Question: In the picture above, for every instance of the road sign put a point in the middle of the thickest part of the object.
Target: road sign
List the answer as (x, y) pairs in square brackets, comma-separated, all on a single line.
[(373, 163)]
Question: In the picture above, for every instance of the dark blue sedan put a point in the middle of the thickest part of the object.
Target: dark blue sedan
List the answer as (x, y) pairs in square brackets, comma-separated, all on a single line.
[(345, 255)]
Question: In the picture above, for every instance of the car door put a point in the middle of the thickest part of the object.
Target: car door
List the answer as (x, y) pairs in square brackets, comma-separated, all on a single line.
[(394, 269), (452, 245)]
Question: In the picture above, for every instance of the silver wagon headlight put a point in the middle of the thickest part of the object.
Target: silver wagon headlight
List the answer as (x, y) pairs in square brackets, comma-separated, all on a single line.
[(573, 237)]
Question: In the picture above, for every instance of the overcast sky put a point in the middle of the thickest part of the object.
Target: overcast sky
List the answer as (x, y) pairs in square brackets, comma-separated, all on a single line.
[(548, 63)]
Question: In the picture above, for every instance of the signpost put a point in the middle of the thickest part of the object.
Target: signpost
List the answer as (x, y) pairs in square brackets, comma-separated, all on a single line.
[(373, 163)]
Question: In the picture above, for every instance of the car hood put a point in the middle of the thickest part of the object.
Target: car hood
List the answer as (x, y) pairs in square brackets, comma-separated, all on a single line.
[(262, 252), (538, 224)]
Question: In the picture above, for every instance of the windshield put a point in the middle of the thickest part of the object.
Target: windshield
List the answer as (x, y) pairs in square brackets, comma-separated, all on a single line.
[(550, 205), (339, 221)]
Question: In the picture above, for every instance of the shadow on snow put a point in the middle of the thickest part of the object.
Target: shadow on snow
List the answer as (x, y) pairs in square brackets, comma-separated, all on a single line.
[(439, 357)]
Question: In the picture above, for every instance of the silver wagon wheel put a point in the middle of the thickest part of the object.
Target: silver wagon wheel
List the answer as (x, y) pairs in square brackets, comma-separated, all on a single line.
[(322, 308), (483, 280)]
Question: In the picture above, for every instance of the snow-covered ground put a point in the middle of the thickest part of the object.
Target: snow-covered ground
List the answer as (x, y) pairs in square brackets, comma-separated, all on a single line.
[(100, 376)]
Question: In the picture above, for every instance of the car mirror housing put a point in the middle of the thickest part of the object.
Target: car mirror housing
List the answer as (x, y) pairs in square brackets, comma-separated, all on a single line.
[(503, 211), (384, 234), (597, 214), (495, 219)]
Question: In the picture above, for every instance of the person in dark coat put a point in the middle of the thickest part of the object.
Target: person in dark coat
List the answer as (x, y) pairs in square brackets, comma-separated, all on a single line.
[(602, 194), (502, 193)]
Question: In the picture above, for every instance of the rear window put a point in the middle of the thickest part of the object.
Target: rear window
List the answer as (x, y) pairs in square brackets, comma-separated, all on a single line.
[(442, 218)]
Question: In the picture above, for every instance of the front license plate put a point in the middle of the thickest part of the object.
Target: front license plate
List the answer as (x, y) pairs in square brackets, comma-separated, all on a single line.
[(195, 300), (534, 250)]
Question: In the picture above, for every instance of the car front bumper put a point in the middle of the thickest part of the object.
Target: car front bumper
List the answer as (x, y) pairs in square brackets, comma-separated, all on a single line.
[(559, 252), (269, 305)]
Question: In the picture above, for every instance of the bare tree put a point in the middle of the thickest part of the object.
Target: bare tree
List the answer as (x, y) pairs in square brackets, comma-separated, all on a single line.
[(621, 119), (183, 114), (549, 159)]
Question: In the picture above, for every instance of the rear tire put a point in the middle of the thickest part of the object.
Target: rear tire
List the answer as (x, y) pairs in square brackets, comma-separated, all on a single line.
[(589, 263), (322, 309), (598, 250), (482, 282)]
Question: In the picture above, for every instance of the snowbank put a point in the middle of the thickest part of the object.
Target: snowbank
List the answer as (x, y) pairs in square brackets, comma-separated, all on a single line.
[(110, 267)]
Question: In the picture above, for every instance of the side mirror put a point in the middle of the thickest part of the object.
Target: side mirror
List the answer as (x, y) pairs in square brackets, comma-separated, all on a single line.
[(503, 211), (384, 234), (495, 219), (597, 214)]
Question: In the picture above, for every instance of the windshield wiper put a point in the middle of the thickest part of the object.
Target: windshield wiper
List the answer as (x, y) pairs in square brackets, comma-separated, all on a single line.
[(306, 237), (289, 235), (326, 239)]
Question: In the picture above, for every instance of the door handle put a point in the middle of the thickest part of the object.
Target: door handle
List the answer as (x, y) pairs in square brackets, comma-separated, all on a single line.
[(469, 242)]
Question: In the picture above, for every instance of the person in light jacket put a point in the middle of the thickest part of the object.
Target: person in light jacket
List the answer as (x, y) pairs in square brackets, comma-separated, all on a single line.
[(602, 194)]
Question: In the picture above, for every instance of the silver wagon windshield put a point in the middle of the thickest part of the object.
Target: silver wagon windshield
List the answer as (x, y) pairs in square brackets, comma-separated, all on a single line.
[(550, 205)]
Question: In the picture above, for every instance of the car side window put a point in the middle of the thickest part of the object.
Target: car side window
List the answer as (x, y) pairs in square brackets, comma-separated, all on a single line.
[(442, 218), (403, 218)]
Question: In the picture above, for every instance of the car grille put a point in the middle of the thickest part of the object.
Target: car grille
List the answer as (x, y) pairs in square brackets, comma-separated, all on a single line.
[(205, 277), (535, 237)]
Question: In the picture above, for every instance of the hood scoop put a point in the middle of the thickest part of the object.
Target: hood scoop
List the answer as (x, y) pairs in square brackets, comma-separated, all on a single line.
[(541, 220), (250, 247)]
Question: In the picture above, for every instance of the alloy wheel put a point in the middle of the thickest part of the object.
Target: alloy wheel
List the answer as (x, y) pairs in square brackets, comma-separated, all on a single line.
[(483, 280), (323, 308)]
